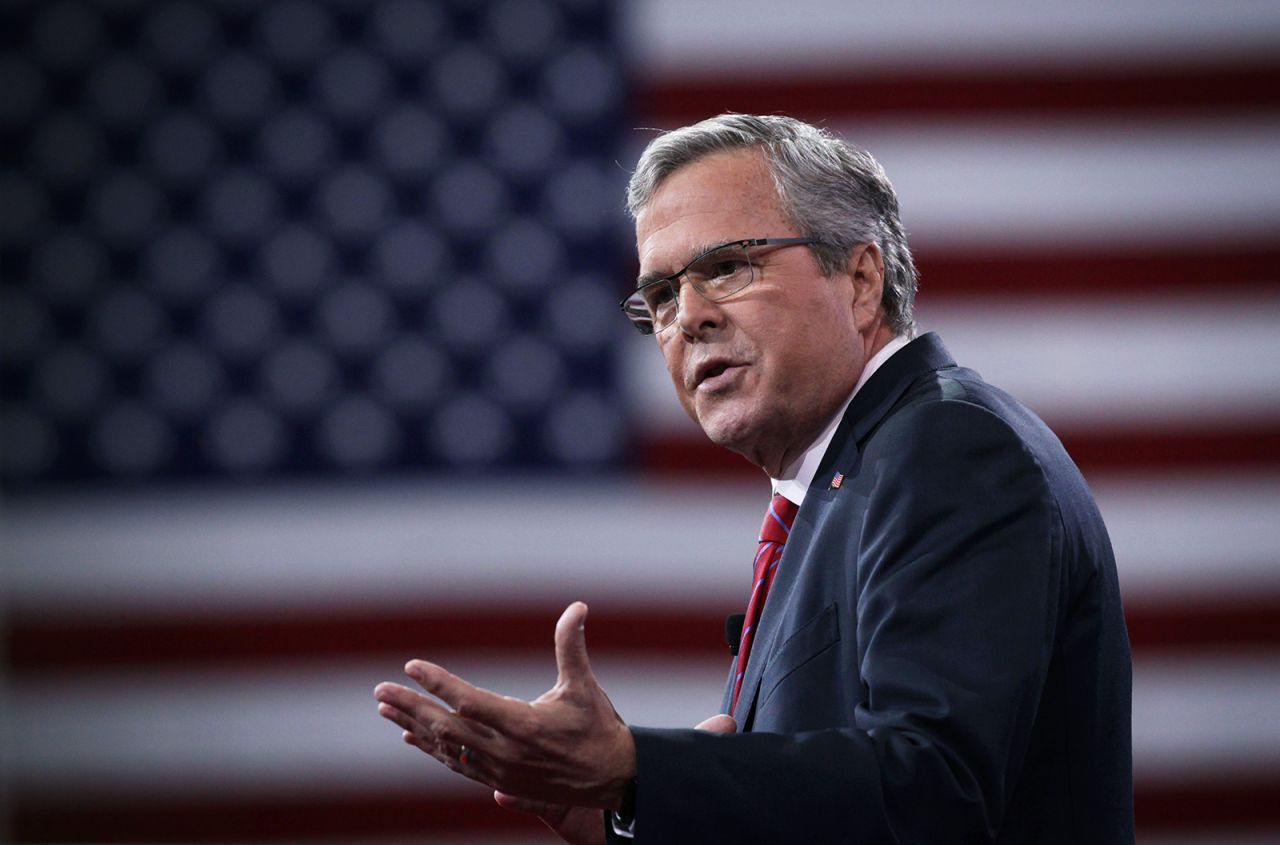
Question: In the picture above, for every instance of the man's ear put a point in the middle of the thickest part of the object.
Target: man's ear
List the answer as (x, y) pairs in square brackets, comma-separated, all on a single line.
[(866, 269)]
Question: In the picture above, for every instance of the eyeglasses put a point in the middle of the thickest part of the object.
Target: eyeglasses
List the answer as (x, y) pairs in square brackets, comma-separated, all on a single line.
[(716, 274)]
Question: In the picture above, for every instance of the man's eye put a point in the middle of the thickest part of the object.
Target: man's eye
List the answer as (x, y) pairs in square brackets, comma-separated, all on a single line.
[(657, 295), (719, 267), (727, 267)]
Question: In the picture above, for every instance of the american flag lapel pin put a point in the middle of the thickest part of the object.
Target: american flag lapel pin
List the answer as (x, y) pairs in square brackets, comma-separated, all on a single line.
[(837, 480)]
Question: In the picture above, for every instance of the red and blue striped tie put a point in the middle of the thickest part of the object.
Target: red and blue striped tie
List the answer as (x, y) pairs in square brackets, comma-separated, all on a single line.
[(773, 536)]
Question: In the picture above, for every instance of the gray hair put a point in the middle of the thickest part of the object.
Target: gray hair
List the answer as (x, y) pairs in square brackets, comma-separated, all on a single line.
[(828, 190)]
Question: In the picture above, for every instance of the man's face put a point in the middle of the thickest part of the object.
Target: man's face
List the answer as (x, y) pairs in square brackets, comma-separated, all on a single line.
[(763, 371)]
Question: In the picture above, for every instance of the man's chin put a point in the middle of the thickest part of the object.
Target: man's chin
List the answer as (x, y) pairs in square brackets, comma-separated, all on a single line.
[(736, 435)]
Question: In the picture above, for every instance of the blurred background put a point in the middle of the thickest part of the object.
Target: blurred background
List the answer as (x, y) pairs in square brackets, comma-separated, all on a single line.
[(311, 364)]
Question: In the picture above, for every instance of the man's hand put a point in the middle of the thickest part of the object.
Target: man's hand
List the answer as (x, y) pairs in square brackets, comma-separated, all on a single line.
[(582, 825), (721, 723), (567, 747)]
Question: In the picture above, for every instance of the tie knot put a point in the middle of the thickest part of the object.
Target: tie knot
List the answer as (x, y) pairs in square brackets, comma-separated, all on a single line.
[(778, 520)]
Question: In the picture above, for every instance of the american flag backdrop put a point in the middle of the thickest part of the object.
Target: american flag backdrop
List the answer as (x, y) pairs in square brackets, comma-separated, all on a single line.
[(311, 364)]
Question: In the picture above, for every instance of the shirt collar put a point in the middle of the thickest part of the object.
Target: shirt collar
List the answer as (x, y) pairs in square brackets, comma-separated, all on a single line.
[(795, 479)]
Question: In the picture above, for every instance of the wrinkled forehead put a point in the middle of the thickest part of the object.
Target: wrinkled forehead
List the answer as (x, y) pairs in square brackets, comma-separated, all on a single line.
[(719, 198)]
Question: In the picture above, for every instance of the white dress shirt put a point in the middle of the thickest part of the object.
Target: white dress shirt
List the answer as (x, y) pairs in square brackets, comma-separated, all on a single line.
[(798, 475)]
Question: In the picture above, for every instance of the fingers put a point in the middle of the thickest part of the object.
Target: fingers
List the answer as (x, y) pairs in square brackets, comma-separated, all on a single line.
[(432, 726), (721, 723), (571, 645), (413, 705), (468, 701), (453, 745)]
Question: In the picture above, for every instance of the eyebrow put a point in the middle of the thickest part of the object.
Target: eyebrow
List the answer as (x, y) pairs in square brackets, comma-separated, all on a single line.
[(707, 246)]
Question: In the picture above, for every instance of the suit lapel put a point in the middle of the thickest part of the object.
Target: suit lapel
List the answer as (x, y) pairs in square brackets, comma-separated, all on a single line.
[(871, 404)]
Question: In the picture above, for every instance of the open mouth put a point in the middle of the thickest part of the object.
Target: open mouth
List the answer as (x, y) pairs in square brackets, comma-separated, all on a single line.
[(708, 375), (714, 370)]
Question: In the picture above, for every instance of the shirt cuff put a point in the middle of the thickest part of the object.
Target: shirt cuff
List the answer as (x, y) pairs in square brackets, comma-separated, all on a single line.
[(623, 819), (624, 828)]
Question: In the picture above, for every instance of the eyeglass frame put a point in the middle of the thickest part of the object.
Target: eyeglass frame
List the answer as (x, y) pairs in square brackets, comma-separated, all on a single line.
[(639, 321)]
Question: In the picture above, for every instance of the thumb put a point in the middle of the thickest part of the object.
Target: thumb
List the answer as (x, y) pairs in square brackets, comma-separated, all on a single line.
[(721, 723), (572, 664)]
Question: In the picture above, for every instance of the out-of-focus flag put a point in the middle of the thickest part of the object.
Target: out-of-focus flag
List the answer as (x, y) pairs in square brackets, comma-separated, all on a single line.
[(396, 248)]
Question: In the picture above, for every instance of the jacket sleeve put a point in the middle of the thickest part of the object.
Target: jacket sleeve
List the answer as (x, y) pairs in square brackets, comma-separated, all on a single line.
[(956, 592)]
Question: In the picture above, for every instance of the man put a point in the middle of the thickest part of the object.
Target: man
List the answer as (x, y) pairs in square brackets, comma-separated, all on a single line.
[(937, 654)]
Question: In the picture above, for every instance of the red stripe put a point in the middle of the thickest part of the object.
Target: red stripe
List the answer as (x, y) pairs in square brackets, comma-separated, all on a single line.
[(1236, 803), (44, 642), (965, 92), (1155, 269), (1205, 624), (54, 816), (50, 643), (1244, 802), (1228, 445), (1246, 446)]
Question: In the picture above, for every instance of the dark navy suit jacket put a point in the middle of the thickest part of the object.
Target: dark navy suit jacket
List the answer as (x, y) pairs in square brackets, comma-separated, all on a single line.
[(942, 657)]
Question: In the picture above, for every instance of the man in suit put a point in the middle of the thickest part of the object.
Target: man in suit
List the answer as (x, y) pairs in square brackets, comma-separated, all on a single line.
[(937, 651)]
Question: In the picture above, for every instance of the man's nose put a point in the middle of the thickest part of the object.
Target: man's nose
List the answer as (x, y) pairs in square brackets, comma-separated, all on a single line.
[(698, 315)]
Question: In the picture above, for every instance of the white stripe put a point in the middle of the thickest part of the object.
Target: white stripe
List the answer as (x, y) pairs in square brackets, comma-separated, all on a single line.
[(281, 727), (999, 184), (1191, 537), (736, 37), (1195, 715), (1017, 183), (1086, 362), (391, 542), (1133, 361), (623, 542)]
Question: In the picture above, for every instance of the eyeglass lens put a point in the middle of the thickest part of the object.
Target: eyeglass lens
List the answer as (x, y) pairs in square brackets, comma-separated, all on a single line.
[(720, 273)]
